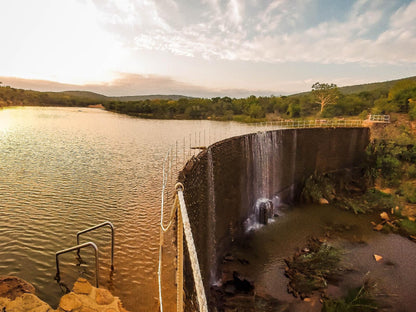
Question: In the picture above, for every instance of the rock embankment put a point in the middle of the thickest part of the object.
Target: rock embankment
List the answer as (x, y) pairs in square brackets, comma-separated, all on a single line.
[(16, 295)]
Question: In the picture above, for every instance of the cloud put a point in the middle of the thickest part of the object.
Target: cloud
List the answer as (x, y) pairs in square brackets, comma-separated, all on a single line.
[(131, 84), (278, 31)]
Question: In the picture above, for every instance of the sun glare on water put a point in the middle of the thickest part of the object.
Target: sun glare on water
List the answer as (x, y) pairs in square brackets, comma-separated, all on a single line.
[(6, 120)]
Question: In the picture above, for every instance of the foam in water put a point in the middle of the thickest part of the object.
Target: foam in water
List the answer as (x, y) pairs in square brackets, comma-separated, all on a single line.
[(263, 214)]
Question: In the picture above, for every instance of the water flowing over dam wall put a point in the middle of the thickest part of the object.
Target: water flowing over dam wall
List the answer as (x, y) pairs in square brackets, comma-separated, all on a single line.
[(226, 183)]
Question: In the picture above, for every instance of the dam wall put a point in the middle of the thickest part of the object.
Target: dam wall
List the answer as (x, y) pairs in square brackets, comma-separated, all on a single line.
[(225, 183)]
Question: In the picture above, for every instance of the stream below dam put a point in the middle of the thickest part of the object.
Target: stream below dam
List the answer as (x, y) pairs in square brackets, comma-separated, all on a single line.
[(259, 257)]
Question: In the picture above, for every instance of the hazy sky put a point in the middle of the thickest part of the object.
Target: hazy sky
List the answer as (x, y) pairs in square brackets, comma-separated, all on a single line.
[(204, 48)]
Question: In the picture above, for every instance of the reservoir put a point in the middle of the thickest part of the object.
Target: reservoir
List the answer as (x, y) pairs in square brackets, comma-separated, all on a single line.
[(63, 170)]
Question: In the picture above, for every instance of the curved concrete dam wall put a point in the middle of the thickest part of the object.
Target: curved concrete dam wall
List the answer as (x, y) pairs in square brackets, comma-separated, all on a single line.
[(226, 183)]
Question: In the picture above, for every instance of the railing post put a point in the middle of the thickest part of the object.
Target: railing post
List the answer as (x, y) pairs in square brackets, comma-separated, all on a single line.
[(106, 223), (78, 247)]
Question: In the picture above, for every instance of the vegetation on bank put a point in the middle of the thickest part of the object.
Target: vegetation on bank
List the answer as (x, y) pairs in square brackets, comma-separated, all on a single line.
[(389, 184), (310, 269), (324, 100), (357, 300)]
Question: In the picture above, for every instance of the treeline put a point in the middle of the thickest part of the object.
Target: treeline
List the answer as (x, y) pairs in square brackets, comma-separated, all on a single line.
[(400, 97), (19, 97)]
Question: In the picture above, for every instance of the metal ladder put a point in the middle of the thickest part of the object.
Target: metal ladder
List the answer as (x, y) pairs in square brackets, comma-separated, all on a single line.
[(79, 246)]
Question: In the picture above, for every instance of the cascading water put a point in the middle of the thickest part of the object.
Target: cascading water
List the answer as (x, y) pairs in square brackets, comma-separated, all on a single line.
[(211, 216), (264, 147)]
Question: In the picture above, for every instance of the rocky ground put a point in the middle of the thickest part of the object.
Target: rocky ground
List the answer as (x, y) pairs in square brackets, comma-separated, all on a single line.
[(17, 295)]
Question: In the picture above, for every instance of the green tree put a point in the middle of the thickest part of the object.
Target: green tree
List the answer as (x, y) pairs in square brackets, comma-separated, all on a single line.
[(325, 94), (401, 92)]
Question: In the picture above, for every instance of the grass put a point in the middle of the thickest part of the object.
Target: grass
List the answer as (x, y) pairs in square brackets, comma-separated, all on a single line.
[(310, 270), (357, 300), (408, 191), (371, 200), (408, 226)]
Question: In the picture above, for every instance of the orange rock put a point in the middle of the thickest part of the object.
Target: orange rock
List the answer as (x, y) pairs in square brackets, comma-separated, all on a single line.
[(82, 287), (69, 302), (87, 309), (12, 287), (378, 227), (103, 296), (378, 258), (323, 201), (120, 307), (384, 216)]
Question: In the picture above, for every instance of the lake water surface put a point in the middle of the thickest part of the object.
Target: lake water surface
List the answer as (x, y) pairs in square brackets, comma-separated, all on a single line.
[(63, 170)]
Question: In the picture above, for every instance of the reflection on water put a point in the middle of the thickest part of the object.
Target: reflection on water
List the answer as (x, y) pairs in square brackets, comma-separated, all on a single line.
[(65, 169)]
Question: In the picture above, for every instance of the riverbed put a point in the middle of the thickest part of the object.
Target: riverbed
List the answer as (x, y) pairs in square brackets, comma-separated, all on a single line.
[(260, 256)]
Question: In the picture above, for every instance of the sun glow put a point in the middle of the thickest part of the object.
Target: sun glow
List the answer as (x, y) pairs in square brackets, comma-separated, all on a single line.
[(57, 40), (6, 120)]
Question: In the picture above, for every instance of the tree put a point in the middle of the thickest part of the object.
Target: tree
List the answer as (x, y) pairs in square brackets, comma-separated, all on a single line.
[(325, 94), (401, 92)]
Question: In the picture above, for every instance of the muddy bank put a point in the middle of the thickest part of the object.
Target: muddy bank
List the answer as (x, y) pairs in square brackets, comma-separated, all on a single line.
[(260, 260)]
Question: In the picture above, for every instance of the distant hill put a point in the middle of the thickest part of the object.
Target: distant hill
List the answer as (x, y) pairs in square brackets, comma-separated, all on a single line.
[(174, 97), (368, 87), (386, 85), (100, 97), (86, 95)]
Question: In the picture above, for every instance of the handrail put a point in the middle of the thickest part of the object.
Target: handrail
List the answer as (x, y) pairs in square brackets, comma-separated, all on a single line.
[(380, 118), (112, 238), (78, 247), (199, 286)]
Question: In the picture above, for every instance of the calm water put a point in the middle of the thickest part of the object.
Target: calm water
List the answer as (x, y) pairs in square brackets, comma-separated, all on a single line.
[(66, 169)]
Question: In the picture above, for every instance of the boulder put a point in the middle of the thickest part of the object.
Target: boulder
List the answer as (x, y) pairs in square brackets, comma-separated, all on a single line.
[(323, 201), (103, 296), (12, 287), (82, 287), (69, 302)]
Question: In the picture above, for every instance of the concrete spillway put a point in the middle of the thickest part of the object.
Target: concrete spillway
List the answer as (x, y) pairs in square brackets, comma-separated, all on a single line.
[(226, 184)]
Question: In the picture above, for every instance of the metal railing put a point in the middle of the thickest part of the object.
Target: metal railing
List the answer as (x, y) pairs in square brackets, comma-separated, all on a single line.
[(78, 247), (106, 223), (316, 123), (379, 118)]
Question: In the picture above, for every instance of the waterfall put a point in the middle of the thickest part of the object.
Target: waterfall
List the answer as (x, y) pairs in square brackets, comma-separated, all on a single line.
[(263, 183), (211, 217)]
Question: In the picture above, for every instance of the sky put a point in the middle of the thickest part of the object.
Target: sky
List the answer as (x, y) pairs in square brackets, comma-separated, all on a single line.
[(204, 48)]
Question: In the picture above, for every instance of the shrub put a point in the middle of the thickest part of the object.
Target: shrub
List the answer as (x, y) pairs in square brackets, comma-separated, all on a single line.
[(412, 112), (408, 191), (317, 187), (411, 172)]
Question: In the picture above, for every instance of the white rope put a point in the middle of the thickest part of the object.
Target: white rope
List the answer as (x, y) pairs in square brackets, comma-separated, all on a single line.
[(163, 229), (199, 286)]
